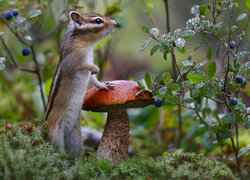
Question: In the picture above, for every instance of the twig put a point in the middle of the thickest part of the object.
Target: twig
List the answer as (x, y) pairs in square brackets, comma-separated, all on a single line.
[(174, 66), (150, 15), (217, 100), (38, 76), (236, 156)]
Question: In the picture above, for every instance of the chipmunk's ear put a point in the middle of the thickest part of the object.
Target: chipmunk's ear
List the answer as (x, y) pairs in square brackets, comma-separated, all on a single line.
[(75, 16)]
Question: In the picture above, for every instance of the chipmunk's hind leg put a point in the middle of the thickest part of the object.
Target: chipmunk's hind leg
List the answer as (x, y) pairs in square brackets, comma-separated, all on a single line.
[(73, 140), (57, 136)]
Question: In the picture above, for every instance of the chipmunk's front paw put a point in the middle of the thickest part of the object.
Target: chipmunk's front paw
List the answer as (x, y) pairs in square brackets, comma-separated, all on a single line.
[(106, 86), (94, 69)]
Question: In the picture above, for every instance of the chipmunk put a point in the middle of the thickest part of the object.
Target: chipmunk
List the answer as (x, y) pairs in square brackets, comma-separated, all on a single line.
[(74, 72)]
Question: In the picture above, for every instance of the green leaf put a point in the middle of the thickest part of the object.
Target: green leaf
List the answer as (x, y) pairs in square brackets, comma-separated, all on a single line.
[(243, 151), (211, 69), (48, 85), (166, 38), (201, 64), (197, 47), (241, 54), (209, 53), (206, 24), (246, 122), (165, 56), (217, 28), (218, 52), (145, 28), (233, 28), (239, 118), (172, 98), (163, 90), (154, 49), (203, 10), (187, 84), (195, 10), (154, 32), (224, 133), (149, 5), (184, 70), (140, 85), (245, 66), (195, 93), (195, 77), (166, 78), (248, 4), (156, 75), (173, 87), (188, 63), (34, 13), (145, 44), (180, 43), (241, 107), (148, 80), (187, 34), (241, 17), (17, 22), (228, 118), (113, 10)]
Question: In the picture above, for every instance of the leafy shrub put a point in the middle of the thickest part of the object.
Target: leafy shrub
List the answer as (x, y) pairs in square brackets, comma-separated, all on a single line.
[(25, 155)]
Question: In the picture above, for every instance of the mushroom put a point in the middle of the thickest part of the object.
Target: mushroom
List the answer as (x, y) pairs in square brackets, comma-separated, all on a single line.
[(125, 94)]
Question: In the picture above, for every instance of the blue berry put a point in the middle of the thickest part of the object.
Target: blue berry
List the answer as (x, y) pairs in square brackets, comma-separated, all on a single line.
[(8, 15), (239, 79), (158, 102), (232, 44), (234, 101), (26, 51), (15, 12)]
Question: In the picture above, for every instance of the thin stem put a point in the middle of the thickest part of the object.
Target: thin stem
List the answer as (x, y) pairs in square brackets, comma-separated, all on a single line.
[(38, 76), (236, 156), (150, 14), (214, 11), (217, 100), (174, 66)]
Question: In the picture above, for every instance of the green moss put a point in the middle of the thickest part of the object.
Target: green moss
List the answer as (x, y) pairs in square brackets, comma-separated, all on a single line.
[(28, 156)]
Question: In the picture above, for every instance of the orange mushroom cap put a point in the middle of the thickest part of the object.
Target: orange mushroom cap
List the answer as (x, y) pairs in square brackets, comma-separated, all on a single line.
[(123, 95)]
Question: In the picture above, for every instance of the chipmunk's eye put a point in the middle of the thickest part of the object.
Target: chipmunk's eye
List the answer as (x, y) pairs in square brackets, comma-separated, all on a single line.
[(98, 21)]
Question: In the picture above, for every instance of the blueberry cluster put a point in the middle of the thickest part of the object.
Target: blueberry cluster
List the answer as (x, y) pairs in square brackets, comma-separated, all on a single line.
[(9, 14)]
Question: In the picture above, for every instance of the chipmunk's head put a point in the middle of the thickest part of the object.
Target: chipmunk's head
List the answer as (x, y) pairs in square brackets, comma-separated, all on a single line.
[(90, 27)]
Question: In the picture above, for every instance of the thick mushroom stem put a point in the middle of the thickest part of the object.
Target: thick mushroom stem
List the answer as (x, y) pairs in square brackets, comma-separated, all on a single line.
[(115, 138)]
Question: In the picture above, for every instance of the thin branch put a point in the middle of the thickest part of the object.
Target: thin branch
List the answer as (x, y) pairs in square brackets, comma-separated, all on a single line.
[(38, 76), (236, 156), (174, 66), (217, 100), (150, 14)]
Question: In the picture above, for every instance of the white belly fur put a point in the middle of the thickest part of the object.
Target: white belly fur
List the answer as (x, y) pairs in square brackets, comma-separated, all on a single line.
[(79, 84)]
